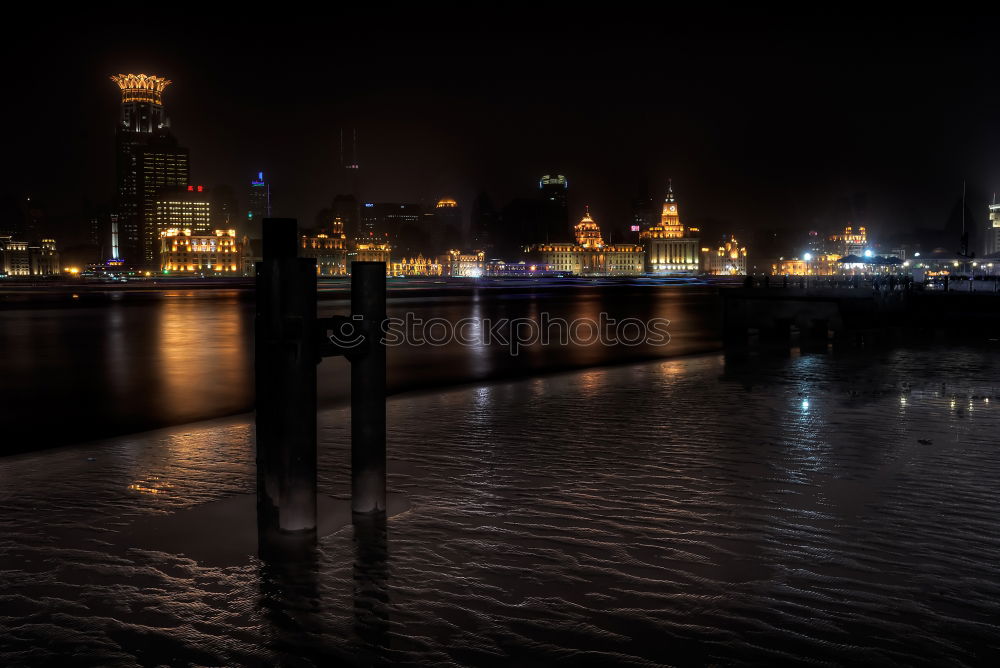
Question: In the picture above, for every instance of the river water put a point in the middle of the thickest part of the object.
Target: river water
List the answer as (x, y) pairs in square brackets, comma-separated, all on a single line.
[(119, 362), (825, 509)]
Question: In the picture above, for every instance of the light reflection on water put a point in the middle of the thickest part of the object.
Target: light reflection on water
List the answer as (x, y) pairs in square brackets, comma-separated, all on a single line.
[(688, 511), (184, 355)]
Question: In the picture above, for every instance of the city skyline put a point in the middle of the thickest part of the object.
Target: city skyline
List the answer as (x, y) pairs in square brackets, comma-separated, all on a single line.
[(607, 109)]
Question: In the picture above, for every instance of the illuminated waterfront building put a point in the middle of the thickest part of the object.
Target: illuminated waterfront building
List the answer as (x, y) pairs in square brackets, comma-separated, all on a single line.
[(14, 257), (589, 255), (44, 258), (260, 206), (729, 259), (670, 247), (217, 254), (148, 159), (19, 258), (851, 242), (469, 264), (826, 264), (417, 266), (329, 250), (370, 249)]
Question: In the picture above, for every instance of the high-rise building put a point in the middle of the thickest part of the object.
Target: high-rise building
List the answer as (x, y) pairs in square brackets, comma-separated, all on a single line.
[(185, 208), (260, 206), (670, 247), (347, 185), (483, 223), (148, 159), (553, 191), (394, 219), (444, 227), (225, 214), (644, 212)]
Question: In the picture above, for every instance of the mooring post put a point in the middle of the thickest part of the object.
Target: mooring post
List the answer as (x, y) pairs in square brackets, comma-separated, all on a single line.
[(286, 354), (368, 375)]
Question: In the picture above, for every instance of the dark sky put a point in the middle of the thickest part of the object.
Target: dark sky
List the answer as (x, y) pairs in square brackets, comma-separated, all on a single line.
[(761, 121)]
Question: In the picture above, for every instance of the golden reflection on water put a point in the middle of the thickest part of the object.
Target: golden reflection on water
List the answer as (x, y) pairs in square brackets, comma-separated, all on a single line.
[(201, 351)]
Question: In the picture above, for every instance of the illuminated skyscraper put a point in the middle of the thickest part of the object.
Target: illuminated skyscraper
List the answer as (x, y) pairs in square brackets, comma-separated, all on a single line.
[(185, 208), (260, 206), (148, 159)]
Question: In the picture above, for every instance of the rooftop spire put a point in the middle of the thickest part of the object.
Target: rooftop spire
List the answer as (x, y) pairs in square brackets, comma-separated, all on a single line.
[(670, 190)]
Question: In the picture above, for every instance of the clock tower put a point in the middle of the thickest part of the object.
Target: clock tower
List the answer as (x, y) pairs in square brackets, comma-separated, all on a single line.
[(670, 219)]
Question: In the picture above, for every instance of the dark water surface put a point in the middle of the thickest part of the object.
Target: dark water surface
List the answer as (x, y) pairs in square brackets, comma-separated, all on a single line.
[(123, 362), (820, 509)]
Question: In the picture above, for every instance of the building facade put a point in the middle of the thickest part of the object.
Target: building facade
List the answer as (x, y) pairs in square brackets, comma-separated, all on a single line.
[(14, 257), (370, 249), (19, 258), (852, 241), (43, 258), (467, 264), (182, 208), (729, 259), (417, 266), (329, 250), (219, 253), (670, 247)]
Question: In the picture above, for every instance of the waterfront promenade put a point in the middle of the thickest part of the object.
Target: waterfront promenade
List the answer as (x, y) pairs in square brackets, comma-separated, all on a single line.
[(811, 508)]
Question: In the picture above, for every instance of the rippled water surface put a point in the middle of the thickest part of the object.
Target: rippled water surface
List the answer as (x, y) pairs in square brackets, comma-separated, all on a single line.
[(809, 509)]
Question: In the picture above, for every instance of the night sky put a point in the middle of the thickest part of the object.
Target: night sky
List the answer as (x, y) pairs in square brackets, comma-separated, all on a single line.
[(761, 122)]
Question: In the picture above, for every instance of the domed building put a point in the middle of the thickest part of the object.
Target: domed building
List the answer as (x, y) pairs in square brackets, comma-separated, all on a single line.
[(589, 255)]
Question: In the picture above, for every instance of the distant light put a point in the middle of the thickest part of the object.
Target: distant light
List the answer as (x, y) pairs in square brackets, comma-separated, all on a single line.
[(869, 253), (807, 257), (635, 228), (805, 404), (916, 255)]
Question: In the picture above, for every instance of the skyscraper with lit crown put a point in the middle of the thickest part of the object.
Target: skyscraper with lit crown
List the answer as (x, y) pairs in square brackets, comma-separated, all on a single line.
[(148, 160)]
